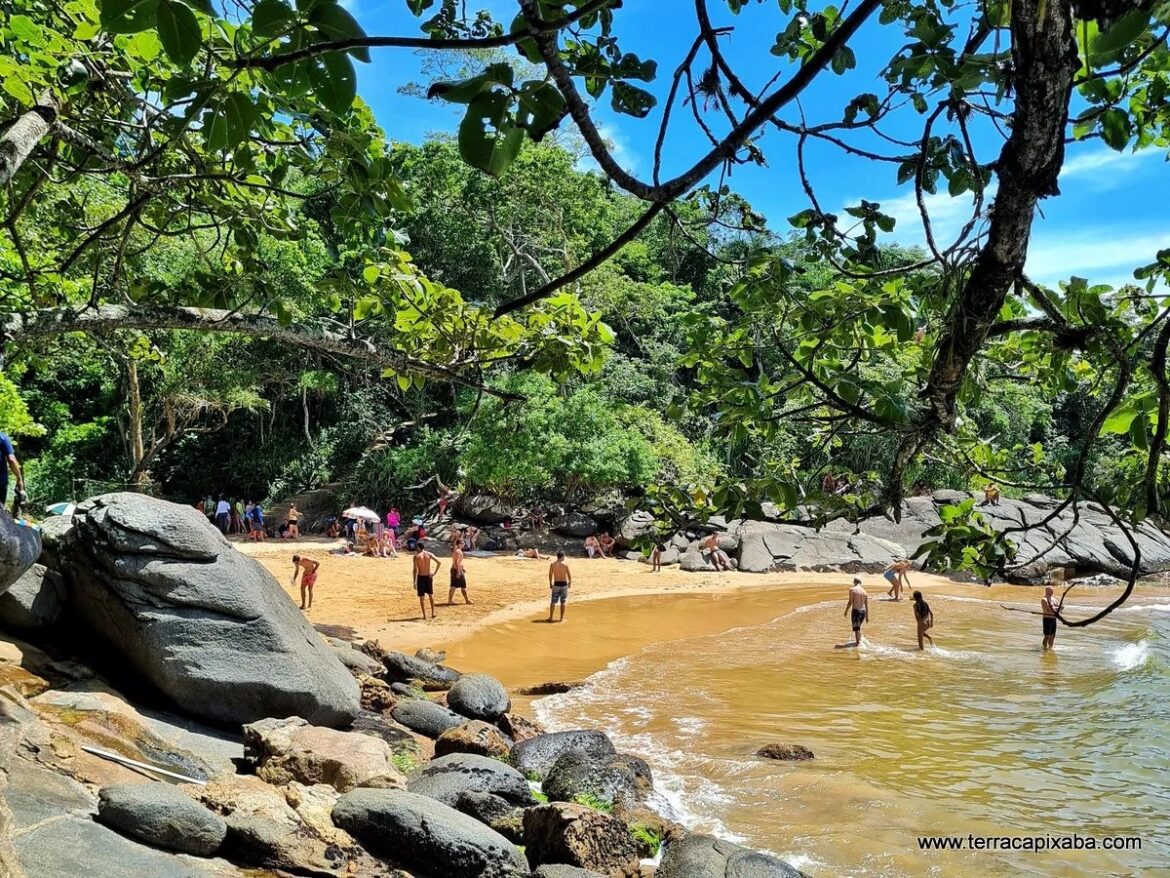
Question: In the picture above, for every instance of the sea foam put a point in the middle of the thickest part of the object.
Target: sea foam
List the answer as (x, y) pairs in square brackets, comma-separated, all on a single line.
[(1131, 656)]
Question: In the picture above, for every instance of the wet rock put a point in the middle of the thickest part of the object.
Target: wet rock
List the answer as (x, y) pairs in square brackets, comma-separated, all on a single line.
[(520, 728), (425, 717), (701, 856), (448, 777), (358, 662), (416, 833), (578, 836), (405, 690), (479, 696), (492, 810), (537, 755), (403, 668), (20, 546), (285, 750), (208, 626), (160, 815), (434, 656), (399, 737), (541, 689), (33, 601), (575, 524), (785, 752), (476, 737), (604, 777), (562, 871)]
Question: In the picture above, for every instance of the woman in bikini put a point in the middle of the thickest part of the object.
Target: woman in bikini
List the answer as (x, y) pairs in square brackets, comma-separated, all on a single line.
[(924, 619)]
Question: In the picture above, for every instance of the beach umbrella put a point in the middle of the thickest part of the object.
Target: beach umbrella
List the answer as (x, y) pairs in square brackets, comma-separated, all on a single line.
[(65, 509), (360, 512)]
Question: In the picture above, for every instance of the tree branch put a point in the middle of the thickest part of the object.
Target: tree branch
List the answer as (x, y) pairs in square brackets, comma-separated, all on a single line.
[(26, 132)]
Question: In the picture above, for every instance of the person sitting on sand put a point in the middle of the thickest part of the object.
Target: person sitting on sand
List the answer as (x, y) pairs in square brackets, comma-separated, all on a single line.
[(559, 580), (470, 538), (389, 543), (592, 547), (857, 608), (294, 522), (607, 544), (424, 577), (458, 575), (656, 557), (895, 574), (1049, 609), (717, 556), (333, 530), (991, 494), (308, 567), (533, 554), (923, 618)]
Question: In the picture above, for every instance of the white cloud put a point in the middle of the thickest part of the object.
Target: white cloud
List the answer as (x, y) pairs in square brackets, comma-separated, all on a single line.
[(1102, 254), (619, 148)]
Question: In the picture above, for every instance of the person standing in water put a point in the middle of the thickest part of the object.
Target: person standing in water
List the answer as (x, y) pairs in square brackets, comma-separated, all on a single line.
[(307, 569), (857, 608), (924, 618), (559, 580), (424, 577), (1048, 610), (458, 574), (895, 574)]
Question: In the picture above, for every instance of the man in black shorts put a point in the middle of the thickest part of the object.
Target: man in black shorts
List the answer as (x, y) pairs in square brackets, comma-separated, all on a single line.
[(559, 580), (1048, 610), (458, 574), (857, 609), (424, 578)]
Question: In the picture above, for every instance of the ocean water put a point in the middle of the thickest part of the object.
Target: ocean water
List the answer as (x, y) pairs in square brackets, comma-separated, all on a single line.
[(980, 736)]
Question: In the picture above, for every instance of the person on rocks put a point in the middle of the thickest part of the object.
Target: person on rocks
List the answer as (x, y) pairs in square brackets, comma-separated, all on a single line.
[(1049, 610), (223, 515), (307, 569), (592, 548), (607, 543), (424, 577), (470, 538), (294, 522), (923, 618), (458, 574), (656, 557), (895, 574), (991, 494), (718, 557), (559, 580), (10, 463), (857, 608)]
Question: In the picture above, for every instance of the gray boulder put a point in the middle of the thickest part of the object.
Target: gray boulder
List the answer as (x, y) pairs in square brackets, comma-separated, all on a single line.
[(160, 815), (448, 777), (537, 755), (425, 717), (208, 626), (559, 871), (33, 601), (702, 856), (418, 833), (479, 696), (357, 662), (637, 524), (575, 524), (608, 778), (403, 668), (484, 509), (20, 546), (492, 810)]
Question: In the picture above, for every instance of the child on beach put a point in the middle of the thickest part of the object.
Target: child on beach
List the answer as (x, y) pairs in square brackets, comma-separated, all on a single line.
[(656, 557), (923, 618)]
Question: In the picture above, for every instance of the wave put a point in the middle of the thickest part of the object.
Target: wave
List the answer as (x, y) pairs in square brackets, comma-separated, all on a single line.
[(1144, 608), (1131, 656)]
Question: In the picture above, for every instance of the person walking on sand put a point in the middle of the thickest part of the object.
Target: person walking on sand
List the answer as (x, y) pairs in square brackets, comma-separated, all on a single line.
[(857, 608), (307, 569), (923, 618), (1049, 609), (895, 574), (458, 574), (559, 580), (656, 557), (424, 577), (717, 555), (223, 515)]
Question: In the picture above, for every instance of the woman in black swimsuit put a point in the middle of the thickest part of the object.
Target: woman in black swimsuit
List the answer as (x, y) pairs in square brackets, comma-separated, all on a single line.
[(924, 618)]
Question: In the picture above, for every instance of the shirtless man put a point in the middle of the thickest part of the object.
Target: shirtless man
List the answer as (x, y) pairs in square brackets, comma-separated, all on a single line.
[(718, 556), (559, 580), (458, 575), (857, 608), (309, 568), (424, 578), (1048, 610), (592, 547), (294, 522)]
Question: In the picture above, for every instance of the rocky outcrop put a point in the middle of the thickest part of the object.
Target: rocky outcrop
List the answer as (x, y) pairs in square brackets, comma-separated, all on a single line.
[(537, 755), (479, 696), (425, 717), (448, 777), (484, 509), (33, 601), (702, 856), (286, 750), (765, 546), (477, 737), (632, 527), (160, 815), (422, 835), (575, 524), (574, 835), (785, 752), (606, 778), (357, 661), (207, 626), (562, 871), (519, 728), (20, 546), (492, 810), (403, 668)]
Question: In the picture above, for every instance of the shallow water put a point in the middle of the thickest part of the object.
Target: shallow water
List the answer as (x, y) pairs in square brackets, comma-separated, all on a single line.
[(981, 735)]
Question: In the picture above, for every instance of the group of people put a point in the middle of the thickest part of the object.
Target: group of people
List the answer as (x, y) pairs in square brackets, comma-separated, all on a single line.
[(240, 517), (600, 546)]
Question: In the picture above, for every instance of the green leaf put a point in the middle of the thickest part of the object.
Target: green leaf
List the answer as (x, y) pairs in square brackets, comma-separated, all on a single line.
[(179, 31), (371, 273), (631, 100), (843, 59), (1116, 128), (418, 7), (464, 91), (1121, 33), (334, 81), (128, 16), (542, 107), (487, 138), (337, 24), (271, 17)]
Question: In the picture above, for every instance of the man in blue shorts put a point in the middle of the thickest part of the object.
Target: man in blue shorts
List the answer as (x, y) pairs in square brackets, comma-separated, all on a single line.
[(559, 580), (10, 463)]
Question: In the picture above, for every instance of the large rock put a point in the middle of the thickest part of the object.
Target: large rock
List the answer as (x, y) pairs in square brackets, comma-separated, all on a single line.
[(357, 661), (20, 546), (537, 755), (285, 750), (557, 870), (420, 834), (160, 815), (484, 509), (476, 737), (403, 668), (479, 696), (765, 546), (701, 856), (425, 717), (33, 601), (498, 813), (578, 774), (519, 728), (636, 525), (209, 627), (447, 777), (575, 524), (574, 835)]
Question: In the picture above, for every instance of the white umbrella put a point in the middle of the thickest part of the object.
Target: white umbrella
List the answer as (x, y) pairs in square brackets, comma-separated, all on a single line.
[(361, 512)]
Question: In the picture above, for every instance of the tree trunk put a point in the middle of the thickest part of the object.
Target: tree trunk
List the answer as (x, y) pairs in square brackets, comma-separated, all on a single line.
[(26, 132), (305, 406), (137, 446)]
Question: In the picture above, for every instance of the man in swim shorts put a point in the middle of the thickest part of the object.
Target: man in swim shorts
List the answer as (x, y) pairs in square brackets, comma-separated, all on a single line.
[(857, 609), (307, 569), (559, 580), (424, 577), (1048, 610), (458, 575)]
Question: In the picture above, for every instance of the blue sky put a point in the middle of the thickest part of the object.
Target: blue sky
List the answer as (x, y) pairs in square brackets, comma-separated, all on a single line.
[(1111, 218)]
